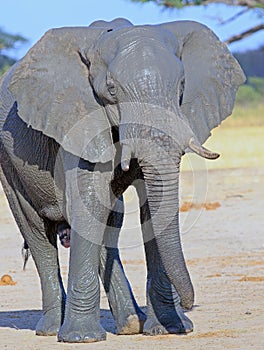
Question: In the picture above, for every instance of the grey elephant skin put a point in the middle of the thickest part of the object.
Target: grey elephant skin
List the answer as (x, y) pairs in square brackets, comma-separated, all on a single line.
[(86, 113)]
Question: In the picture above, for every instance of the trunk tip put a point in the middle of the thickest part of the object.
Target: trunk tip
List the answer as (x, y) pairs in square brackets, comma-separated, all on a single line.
[(126, 157), (125, 166)]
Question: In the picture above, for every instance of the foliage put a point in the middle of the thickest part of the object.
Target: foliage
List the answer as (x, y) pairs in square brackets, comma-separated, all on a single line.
[(4, 69), (5, 64), (251, 62), (257, 84), (251, 115), (183, 3), (7, 42), (244, 6), (251, 93)]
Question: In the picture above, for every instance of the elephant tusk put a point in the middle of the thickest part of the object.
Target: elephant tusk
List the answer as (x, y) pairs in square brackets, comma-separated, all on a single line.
[(126, 157), (195, 146)]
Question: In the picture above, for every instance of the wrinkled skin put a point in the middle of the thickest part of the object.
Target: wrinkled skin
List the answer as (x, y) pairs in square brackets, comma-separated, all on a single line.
[(64, 234), (78, 92)]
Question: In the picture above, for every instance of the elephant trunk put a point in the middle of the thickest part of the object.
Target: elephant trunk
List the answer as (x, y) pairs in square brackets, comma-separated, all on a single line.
[(158, 144), (160, 160), (161, 181)]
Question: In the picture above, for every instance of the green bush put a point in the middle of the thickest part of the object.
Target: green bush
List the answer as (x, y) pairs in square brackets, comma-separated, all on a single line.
[(251, 93), (257, 83), (4, 69)]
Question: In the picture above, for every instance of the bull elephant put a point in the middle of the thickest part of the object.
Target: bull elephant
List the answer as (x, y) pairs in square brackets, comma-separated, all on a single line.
[(86, 113)]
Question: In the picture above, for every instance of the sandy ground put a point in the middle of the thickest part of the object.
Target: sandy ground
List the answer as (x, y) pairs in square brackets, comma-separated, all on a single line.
[(224, 248)]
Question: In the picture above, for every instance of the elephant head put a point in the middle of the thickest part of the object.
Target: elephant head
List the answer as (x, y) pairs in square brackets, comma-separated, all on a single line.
[(164, 87)]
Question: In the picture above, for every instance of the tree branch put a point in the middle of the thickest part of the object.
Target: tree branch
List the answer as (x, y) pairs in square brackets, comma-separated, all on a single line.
[(245, 34), (183, 3), (236, 16), (222, 21)]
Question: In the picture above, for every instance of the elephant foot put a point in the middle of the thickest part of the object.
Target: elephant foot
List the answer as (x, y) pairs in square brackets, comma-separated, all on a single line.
[(132, 325), (81, 329), (50, 323), (174, 322), (165, 314)]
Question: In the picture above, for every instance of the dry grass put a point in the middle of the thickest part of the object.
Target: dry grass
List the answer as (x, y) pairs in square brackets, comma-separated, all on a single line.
[(239, 140), (244, 116)]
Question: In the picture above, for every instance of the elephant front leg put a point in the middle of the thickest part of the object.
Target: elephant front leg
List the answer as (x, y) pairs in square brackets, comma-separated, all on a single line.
[(87, 211), (128, 316), (82, 314)]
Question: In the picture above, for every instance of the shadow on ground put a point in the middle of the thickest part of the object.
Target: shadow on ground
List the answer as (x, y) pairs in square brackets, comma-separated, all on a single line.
[(22, 319), (28, 319)]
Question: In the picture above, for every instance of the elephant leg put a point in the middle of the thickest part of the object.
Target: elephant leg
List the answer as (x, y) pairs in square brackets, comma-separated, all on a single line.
[(128, 316), (87, 209), (44, 253), (82, 313), (164, 312)]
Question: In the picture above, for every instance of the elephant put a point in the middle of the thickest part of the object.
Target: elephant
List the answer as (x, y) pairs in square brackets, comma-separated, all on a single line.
[(64, 234), (86, 113)]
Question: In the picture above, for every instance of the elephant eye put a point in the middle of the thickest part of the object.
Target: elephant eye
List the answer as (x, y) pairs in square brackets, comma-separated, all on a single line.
[(112, 89), (111, 86)]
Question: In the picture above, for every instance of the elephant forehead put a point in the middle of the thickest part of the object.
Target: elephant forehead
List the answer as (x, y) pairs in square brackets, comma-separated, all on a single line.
[(146, 65), (127, 38)]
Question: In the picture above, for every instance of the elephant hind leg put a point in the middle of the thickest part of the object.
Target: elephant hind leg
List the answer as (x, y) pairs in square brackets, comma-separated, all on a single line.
[(44, 253), (127, 314)]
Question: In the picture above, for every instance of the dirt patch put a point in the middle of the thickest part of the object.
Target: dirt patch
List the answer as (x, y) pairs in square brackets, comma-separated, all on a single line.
[(133, 262), (224, 249), (187, 206), (6, 280), (242, 259), (219, 333), (214, 275), (256, 263), (251, 279)]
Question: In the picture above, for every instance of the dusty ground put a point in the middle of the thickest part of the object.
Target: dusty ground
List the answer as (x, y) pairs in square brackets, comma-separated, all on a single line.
[(224, 248)]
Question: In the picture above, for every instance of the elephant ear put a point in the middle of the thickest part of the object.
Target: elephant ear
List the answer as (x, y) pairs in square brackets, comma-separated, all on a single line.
[(53, 93), (212, 76)]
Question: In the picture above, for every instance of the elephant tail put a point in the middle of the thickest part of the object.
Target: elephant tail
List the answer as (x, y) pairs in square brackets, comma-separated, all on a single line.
[(25, 253)]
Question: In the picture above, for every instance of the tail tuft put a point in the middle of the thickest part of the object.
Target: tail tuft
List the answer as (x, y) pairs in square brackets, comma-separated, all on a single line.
[(25, 254)]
